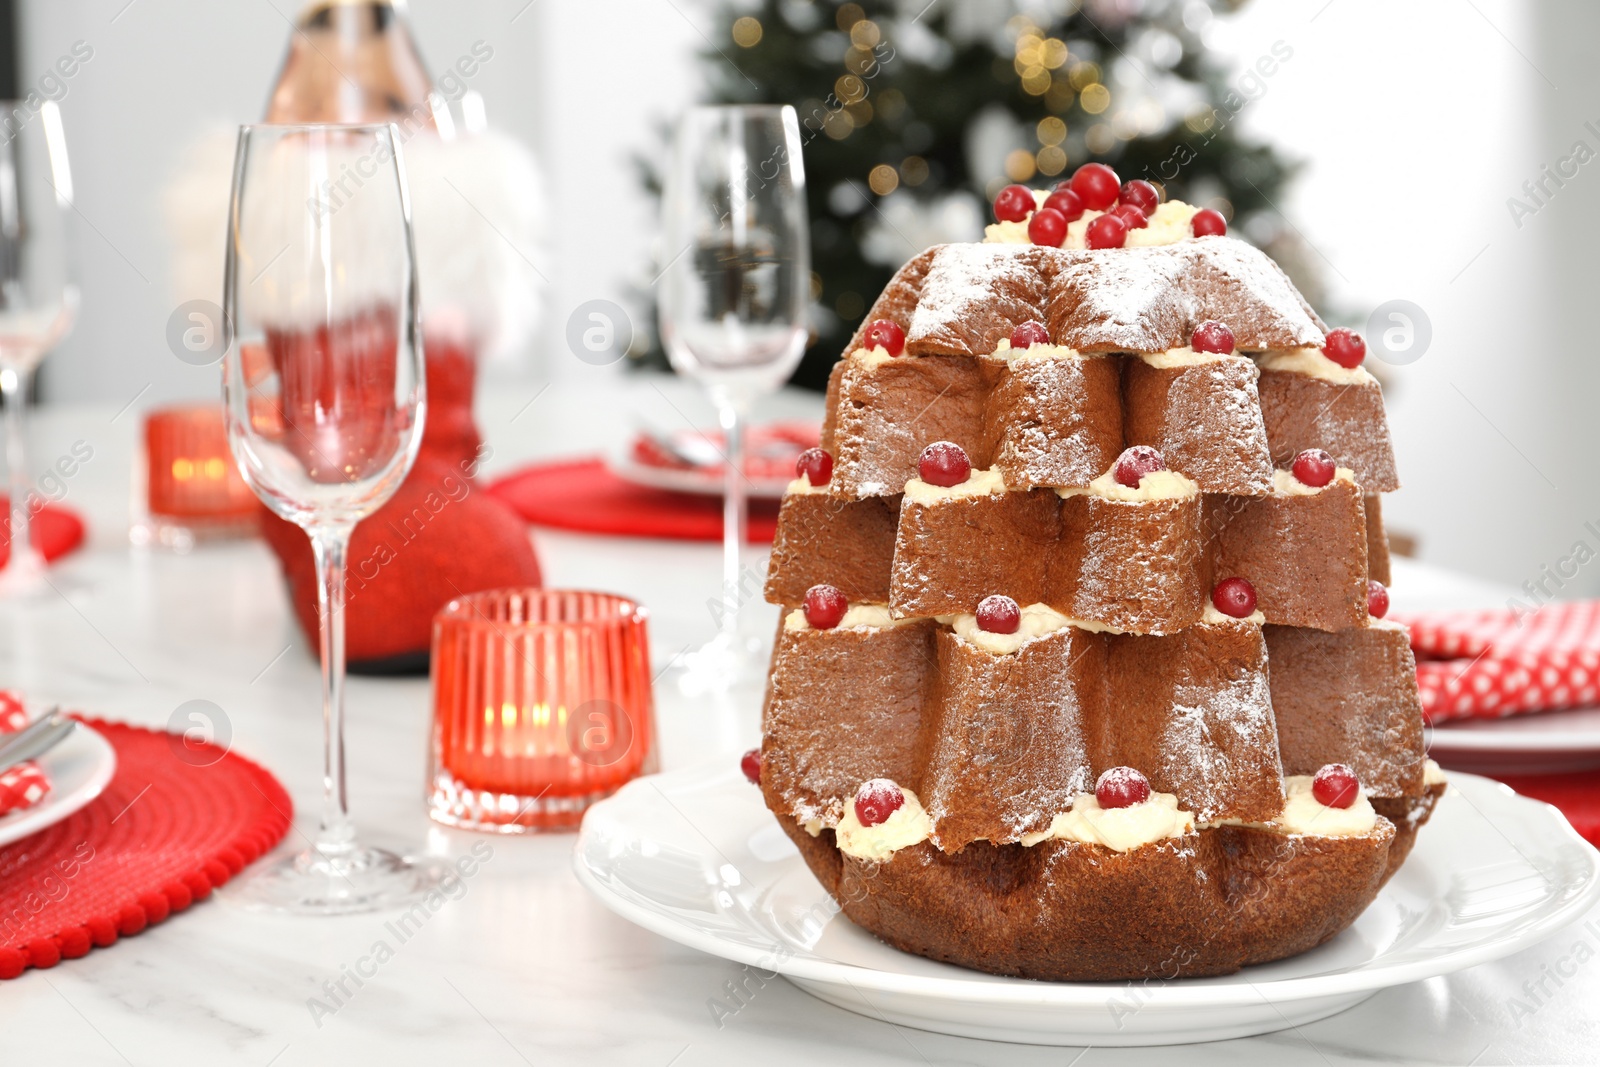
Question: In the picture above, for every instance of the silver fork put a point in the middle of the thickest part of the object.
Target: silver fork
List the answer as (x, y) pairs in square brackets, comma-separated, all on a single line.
[(35, 739)]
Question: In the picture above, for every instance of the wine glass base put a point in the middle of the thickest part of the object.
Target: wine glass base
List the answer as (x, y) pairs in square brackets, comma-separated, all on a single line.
[(350, 883), (23, 576)]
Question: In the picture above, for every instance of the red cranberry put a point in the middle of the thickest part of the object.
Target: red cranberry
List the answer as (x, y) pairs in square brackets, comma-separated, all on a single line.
[(1131, 216), (1208, 223), (815, 465), (1097, 185), (1029, 334), (1141, 194), (887, 336), (825, 607), (1048, 227), (1064, 200), (1345, 347), (1377, 599), (1107, 231), (1135, 463), (1314, 467), (1122, 787), (1014, 203), (877, 800), (1235, 598), (1335, 786), (1212, 336), (999, 614), (750, 764), (944, 463)]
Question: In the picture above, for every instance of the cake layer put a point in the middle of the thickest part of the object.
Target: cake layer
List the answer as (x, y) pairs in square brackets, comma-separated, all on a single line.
[(1056, 420), (1349, 697), (1141, 566), (1059, 419), (1377, 539), (1208, 903), (969, 297), (1306, 554), (848, 544), (843, 707), (1345, 419), (996, 745)]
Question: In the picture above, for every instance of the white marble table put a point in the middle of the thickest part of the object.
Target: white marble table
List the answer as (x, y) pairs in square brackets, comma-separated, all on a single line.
[(525, 967)]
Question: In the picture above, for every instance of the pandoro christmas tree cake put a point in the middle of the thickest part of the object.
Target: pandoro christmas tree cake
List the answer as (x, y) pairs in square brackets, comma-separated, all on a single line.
[(1083, 672)]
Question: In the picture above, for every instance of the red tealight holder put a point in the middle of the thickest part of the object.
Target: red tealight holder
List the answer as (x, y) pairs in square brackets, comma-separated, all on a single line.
[(541, 706), (187, 487)]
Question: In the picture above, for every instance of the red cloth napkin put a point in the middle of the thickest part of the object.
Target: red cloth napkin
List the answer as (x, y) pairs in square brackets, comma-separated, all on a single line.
[(56, 530), (1487, 664), (581, 494), (24, 785)]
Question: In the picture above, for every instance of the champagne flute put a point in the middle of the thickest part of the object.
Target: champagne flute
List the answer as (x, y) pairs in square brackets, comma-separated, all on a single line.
[(324, 389), (733, 305), (37, 297)]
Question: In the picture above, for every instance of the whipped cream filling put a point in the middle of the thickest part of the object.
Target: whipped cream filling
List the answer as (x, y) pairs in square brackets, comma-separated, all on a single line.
[(1284, 483), (1037, 621), (1157, 485), (978, 483), (856, 617), (1303, 813), (1313, 364), (1171, 223), (803, 484), (871, 357), (1213, 616), (1432, 774), (1121, 829), (1182, 357), (1005, 351), (907, 826)]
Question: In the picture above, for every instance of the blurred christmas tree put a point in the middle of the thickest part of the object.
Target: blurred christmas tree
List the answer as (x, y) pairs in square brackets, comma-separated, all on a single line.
[(915, 114)]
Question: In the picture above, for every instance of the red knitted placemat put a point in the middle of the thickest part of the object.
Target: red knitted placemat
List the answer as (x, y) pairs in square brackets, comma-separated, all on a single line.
[(584, 495), (56, 530), (172, 825)]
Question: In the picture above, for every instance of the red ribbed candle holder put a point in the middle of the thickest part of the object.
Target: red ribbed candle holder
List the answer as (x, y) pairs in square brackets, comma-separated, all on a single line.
[(541, 706), (192, 489)]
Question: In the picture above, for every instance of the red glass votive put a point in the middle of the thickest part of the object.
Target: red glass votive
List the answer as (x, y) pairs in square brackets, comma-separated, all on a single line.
[(192, 487), (541, 706)]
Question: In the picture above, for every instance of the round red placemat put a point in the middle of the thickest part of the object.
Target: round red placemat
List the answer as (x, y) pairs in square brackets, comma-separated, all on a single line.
[(56, 530), (581, 494), (177, 820)]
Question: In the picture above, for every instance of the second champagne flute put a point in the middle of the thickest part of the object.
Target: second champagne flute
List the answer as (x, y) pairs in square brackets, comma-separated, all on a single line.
[(733, 305), (324, 386)]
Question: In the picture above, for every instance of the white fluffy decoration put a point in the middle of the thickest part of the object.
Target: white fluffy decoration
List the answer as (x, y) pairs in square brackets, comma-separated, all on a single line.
[(477, 214)]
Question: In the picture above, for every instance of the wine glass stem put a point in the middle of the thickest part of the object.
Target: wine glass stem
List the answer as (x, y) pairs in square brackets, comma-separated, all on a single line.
[(731, 414), (330, 544), (14, 387)]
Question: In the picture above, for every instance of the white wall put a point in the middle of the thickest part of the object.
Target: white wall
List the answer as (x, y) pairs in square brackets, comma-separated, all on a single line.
[(1416, 121), (583, 81)]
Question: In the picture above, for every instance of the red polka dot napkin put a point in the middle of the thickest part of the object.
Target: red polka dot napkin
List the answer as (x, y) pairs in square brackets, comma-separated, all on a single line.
[(1488, 664), (24, 785)]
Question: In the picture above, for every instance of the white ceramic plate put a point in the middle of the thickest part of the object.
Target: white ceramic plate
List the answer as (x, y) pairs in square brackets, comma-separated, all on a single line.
[(695, 480), (695, 856), (1544, 743), (79, 769)]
